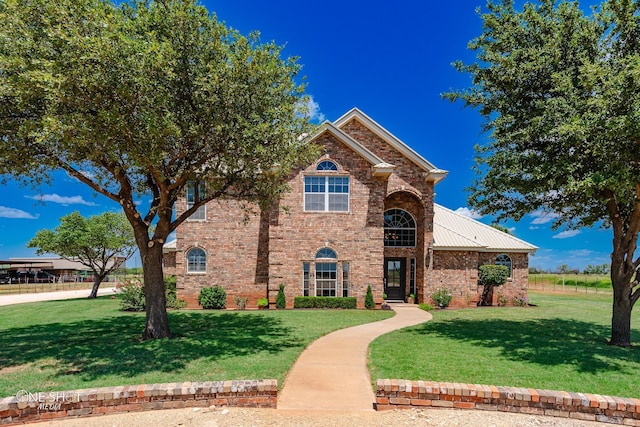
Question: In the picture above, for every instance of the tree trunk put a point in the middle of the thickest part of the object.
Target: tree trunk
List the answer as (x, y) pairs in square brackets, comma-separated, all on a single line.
[(622, 306), (487, 296), (96, 284), (154, 292)]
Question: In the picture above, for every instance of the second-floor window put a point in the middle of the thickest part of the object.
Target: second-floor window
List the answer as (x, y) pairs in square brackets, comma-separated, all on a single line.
[(326, 193)]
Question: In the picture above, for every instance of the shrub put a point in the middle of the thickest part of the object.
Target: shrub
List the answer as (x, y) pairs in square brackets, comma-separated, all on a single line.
[(131, 294), (368, 299), (520, 300), (171, 293), (263, 302), (503, 300), (441, 297), (424, 306), (281, 301), (241, 302), (324, 302), (214, 297)]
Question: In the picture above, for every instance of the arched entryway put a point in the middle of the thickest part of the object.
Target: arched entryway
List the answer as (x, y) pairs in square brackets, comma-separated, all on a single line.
[(403, 245)]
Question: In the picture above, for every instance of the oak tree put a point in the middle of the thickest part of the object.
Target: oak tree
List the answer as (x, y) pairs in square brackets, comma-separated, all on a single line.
[(101, 242), (137, 100), (560, 91)]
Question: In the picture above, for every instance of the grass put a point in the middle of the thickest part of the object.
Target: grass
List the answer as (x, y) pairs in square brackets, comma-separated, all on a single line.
[(571, 282), (73, 344), (561, 344)]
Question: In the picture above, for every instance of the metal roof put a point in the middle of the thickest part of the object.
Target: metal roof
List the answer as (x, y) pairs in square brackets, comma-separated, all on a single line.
[(452, 231)]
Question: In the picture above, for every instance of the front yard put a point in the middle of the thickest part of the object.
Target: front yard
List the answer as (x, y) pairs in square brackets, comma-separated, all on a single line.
[(62, 345)]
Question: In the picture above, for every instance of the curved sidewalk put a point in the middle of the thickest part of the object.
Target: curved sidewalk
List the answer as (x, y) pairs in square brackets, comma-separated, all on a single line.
[(331, 374)]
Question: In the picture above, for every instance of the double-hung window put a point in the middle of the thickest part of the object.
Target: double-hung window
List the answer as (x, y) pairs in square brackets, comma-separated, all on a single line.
[(194, 196), (326, 193)]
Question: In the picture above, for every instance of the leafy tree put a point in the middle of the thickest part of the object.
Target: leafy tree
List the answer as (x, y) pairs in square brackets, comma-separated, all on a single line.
[(142, 98), (490, 276), (596, 269), (563, 269), (101, 242), (560, 92), (502, 228)]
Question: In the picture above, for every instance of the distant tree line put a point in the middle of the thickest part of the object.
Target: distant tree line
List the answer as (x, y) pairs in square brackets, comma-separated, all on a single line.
[(565, 269)]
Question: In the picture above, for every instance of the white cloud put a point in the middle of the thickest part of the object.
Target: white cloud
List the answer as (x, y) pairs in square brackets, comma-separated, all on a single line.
[(312, 109), (63, 200), (534, 227), (567, 234), (512, 230), (542, 217), (469, 213), (6, 212)]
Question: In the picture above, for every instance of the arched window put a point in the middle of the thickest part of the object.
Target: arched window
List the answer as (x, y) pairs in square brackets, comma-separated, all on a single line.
[(196, 261), (326, 253), (326, 273), (503, 259), (399, 228), (327, 165)]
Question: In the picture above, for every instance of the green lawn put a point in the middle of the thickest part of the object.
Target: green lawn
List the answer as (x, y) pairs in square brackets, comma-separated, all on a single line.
[(558, 345), (62, 345)]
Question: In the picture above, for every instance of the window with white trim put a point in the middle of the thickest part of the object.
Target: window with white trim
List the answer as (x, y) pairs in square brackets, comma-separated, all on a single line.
[(196, 261), (306, 278), (505, 260), (326, 193), (201, 213), (345, 279), (326, 276)]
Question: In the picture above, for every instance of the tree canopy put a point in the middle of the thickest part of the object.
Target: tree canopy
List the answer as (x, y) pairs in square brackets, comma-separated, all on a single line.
[(101, 242), (560, 93), (141, 98)]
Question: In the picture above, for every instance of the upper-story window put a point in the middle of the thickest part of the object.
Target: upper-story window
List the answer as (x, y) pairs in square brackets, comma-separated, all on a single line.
[(327, 165), (326, 193), (201, 213), (399, 228), (505, 260)]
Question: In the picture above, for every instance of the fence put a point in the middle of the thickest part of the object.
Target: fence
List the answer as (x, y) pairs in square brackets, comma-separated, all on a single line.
[(571, 282), (63, 284)]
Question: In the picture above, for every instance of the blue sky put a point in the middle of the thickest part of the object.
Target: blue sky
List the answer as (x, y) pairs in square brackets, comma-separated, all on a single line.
[(392, 60)]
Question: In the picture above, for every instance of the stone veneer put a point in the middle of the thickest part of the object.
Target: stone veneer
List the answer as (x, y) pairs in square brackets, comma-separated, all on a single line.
[(145, 397), (404, 394)]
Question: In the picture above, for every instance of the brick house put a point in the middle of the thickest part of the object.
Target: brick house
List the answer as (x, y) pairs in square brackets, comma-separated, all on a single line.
[(362, 214)]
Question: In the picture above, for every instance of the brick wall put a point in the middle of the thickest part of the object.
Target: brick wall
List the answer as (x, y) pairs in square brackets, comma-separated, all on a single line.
[(457, 271), (145, 397), (404, 394)]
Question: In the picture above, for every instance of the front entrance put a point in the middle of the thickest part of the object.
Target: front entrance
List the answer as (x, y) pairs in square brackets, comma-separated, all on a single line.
[(394, 278)]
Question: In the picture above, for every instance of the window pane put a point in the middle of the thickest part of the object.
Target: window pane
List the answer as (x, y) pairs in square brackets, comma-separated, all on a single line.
[(326, 283), (345, 279), (314, 202), (339, 202), (305, 279), (327, 165), (196, 261)]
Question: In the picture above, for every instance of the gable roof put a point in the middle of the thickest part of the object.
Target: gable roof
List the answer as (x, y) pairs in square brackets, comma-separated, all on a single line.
[(452, 231), (433, 173)]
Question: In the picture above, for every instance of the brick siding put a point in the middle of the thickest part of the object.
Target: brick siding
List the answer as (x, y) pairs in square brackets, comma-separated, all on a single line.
[(145, 397), (404, 394)]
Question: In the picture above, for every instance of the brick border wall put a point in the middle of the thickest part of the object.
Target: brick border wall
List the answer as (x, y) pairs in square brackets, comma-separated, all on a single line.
[(111, 400), (404, 394)]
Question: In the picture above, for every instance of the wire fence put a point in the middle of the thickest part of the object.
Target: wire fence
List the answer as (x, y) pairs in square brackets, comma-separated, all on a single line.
[(582, 283), (59, 285)]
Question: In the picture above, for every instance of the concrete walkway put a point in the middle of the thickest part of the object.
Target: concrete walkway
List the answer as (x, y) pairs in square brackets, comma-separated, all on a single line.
[(331, 374), (50, 296)]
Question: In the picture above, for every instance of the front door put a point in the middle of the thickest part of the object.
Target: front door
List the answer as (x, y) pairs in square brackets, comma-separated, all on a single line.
[(394, 278)]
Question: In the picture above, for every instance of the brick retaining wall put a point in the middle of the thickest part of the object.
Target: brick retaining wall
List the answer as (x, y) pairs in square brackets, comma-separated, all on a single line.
[(404, 394), (110, 400)]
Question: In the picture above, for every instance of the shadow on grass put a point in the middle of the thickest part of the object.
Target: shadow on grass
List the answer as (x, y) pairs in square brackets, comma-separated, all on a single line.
[(111, 345), (546, 342)]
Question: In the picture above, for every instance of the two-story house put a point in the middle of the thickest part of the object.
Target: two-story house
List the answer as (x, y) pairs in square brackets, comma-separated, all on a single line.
[(362, 214)]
